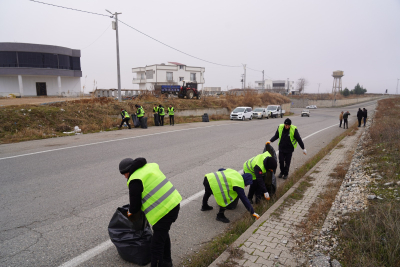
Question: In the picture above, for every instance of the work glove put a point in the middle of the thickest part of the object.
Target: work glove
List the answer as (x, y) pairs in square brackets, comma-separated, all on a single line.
[(256, 216), (129, 214), (266, 196), (305, 151), (268, 142)]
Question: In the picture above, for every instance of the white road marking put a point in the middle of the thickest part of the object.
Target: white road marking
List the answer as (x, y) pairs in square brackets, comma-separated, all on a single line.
[(107, 244), (114, 140)]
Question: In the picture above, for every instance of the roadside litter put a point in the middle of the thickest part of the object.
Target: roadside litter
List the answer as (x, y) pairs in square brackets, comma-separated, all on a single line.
[(205, 118), (131, 236), (76, 130)]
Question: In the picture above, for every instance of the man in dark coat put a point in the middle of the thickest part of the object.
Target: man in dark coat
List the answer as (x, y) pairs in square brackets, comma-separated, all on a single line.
[(359, 116), (288, 139), (365, 115), (345, 121)]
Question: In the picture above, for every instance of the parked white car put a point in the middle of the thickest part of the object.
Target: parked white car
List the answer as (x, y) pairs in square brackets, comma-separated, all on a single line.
[(242, 113), (305, 112), (312, 106), (275, 111), (260, 113)]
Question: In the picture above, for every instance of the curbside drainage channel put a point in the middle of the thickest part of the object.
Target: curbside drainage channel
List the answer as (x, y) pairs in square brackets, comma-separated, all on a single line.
[(269, 241)]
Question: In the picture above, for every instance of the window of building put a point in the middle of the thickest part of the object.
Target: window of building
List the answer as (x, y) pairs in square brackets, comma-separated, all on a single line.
[(169, 76), (149, 74), (181, 67), (142, 77), (64, 62), (75, 63), (278, 85), (193, 77), (8, 59), (181, 79)]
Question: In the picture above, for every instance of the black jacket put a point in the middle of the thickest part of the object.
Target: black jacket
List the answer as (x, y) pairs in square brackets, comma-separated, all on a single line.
[(359, 113), (286, 145), (365, 113)]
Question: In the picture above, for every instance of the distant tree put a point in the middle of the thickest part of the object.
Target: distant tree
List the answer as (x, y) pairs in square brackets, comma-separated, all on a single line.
[(346, 92), (301, 83), (359, 90)]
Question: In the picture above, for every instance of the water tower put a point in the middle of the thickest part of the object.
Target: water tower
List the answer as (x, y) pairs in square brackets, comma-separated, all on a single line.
[(337, 82)]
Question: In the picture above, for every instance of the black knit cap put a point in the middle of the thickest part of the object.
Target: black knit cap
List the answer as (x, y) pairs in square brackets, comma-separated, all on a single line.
[(288, 122), (270, 163), (130, 165)]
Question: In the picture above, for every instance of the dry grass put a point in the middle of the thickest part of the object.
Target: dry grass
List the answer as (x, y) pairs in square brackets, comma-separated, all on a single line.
[(30, 122), (329, 96), (372, 238)]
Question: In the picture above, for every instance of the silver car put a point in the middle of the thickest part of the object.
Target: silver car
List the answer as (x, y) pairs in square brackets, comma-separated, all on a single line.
[(305, 112)]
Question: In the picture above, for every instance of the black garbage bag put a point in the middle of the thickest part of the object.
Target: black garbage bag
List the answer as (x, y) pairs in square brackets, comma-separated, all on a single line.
[(156, 120), (143, 122), (136, 122), (271, 151), (205, 117), (131, 237)]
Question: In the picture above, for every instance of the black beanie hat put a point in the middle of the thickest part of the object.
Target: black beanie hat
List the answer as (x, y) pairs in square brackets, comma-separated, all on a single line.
[(288, 121), (130, 165), (270, 163), (159, 106)]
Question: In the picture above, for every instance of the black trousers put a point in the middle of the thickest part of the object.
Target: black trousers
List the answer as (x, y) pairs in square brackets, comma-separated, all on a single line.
[(255, 190), (359, 121), (161, 242), (127, 122), (365, 120), (340, 124), (208, 192), (284, 161), (171, 120), (345, 122), (161, 120)]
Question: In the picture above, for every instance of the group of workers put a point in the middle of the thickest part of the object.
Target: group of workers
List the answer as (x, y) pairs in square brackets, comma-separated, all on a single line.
[(152, 193), (158, 109)]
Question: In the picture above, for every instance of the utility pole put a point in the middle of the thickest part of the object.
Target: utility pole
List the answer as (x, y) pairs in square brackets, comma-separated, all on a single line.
[(115, 27), (287, 86), (263, 80), (397, 87), (244, 80)]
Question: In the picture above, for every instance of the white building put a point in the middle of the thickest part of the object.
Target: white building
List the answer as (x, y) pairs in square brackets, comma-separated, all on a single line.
[(161, 74), (276, 85), (39, 70)]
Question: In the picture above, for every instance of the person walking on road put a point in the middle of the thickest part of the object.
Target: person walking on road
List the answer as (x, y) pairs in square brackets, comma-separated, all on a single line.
[(161, 206), (258, 166), (341, 119), (161, 113), (365, 113), (359, 116), (288, 136), (227, 186), (171, 114), (139, 112), (125, 118), (345, 117)]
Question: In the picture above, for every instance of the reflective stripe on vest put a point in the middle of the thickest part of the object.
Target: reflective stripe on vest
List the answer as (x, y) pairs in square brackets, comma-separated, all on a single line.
[(222, 183), (171, 111), (248, 166), (291, 133), (159, 196)]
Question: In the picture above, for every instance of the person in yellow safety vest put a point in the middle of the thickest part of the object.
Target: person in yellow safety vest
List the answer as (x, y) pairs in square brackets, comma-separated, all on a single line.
[(288, 136), (171, 113), (258, 166), (161, 113), (139, 112), (125, 118), (227, 186), (152, 193), (155, 109)]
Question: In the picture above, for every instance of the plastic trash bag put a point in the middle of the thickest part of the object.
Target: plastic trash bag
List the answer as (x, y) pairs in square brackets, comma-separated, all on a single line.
[(156, 120), (143, 122), (131, 236), (205, 117), (136, 122)]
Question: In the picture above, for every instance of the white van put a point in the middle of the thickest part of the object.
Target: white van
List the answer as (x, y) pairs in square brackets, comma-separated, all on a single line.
[(242, 113)]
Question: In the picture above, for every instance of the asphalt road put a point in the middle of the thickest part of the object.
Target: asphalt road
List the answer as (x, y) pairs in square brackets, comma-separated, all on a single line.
[(58, 195)]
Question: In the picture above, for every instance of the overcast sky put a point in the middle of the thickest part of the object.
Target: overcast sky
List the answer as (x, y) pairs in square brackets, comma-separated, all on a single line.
[(285, 38)]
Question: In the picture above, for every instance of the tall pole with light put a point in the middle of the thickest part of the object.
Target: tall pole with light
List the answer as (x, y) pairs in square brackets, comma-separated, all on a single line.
[(397, 87), (115, 27)]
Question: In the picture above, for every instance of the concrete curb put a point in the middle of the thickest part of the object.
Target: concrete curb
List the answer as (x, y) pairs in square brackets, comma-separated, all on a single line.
[(246, 235)]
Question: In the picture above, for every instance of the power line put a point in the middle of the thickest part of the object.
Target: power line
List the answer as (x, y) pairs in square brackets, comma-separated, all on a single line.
[(70, 8), (97, 37)]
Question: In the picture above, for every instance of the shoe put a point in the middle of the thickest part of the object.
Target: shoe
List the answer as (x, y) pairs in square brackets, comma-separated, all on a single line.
[(205, 208), (222, 218), (280, 175), (285, 176)]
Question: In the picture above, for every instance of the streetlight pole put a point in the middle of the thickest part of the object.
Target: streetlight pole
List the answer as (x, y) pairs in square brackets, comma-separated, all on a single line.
[(118, 67), (244, 80), (397, 87), (263, 80)]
